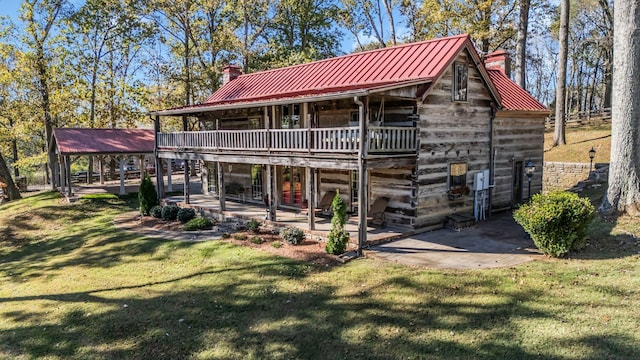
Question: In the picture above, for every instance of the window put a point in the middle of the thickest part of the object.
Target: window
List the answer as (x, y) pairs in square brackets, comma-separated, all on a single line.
[(458, 176), (459, 88)]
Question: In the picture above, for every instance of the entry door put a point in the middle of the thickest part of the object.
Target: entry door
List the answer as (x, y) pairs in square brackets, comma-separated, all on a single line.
[(517, 176), (292, 186)]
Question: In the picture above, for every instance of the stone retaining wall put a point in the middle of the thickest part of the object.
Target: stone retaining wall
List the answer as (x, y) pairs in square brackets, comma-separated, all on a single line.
[(563, 176)]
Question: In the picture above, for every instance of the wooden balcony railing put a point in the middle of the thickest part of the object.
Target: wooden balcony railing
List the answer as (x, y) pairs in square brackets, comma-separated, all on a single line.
[(380, 139)]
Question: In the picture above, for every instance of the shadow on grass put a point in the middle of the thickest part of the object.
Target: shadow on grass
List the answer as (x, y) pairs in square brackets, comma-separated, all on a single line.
[(243, 316)]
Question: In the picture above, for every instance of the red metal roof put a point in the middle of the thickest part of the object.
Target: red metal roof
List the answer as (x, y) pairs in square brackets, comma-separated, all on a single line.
[(422, 60), (513, 97), (104, 141)]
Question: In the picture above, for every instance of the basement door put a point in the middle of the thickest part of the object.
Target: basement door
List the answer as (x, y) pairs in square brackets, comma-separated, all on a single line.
[(518, 178)]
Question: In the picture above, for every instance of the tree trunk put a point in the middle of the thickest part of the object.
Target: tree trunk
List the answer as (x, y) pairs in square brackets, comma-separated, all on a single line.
[(5, 176), (521, 44), (558, 135), (623, 193)]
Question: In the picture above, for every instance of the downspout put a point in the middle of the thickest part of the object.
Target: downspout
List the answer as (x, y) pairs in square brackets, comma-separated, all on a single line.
[(362, 177), (492, 154)]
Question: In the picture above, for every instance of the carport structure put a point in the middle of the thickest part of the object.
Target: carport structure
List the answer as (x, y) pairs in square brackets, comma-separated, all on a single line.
[(118, 144)]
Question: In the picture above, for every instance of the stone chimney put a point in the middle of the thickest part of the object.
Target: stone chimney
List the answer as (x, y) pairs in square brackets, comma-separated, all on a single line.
[(230, 72), (498, 60)]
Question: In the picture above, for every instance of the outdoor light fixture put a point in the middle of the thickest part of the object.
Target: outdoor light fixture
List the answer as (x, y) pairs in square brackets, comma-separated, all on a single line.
[(529, 169), (592, 155)]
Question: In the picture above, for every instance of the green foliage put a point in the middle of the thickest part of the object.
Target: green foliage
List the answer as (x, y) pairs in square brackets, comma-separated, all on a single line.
[(292, 235), (338, 236), (201, 223), (557, 222), (240, 237), (185, 214), (254, 226), (225, 235), (276, 244), (147, 196), (156, 211), (170, 212), (257, 240)]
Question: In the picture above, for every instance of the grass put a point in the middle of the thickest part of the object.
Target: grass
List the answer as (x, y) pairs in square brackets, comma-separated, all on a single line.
[(72, 286), (579, 142)]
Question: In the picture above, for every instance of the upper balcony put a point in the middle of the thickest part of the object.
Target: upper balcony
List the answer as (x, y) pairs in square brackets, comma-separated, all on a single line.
[(330, 141)]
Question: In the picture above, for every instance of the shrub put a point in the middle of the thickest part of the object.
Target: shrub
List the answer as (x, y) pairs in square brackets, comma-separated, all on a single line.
[(156, 211), (201, 223), (276, 244), (292, 235), (147, 196), (557, 222), (338, 237), (170, 212), (240, 236), (254, 226), (257, 240), (225, 235), (185, 214)]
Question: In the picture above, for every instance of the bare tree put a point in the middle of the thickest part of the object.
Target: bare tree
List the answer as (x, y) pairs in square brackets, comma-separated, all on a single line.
[(623, 194), (521, 44), (558, 135)]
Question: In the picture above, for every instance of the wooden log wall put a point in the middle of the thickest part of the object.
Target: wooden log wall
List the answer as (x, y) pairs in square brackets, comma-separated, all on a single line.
[(517, 137), (451, 132), (397, 185)]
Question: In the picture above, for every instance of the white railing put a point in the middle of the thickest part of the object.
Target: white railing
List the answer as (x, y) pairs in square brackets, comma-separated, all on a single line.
[(381, 139)]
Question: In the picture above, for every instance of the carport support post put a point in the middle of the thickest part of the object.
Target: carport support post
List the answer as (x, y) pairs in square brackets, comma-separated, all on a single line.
[(67, 173), (61, 176), (121, 163), (101, 166)]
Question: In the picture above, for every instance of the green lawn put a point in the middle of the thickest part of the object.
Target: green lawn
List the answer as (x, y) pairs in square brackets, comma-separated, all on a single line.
[(74, 287), (579, 141)]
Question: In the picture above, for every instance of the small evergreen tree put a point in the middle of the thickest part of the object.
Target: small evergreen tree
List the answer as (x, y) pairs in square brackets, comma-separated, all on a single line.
[(147, 196), (338, 236)]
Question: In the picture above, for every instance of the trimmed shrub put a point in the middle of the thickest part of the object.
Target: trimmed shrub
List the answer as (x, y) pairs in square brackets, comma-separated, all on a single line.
[(156, 211), (276, 244), (254, 226), (292, 235), (147, 196), (170, 212), (338, 237), (201, 223), (240, 236), (257, 240), (225, 235), (557, 222), (185, 214)]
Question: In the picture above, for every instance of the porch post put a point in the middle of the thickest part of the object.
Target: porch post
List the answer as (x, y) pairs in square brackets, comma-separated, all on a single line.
[(362, 177), (221, 192), (187, 173), (311, 195), (141, 166), (204, 178), (169, 174), (159, 176), (67, 173), (270, 209)]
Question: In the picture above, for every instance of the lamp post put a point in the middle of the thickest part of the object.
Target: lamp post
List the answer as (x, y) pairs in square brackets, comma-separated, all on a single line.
[(592, 155), (529, 169)]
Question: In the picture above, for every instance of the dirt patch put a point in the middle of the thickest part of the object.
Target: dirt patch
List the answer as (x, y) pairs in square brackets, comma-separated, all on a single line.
[(312, 251)]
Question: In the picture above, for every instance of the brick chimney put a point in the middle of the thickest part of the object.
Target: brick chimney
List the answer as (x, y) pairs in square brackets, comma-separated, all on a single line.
[(230, 72), (498, 60)]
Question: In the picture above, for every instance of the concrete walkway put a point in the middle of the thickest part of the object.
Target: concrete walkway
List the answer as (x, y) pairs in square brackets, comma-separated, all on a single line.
[(496, 242)]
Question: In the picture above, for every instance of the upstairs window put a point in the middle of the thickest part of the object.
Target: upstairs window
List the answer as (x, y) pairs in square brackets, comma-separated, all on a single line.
[(460, 72)]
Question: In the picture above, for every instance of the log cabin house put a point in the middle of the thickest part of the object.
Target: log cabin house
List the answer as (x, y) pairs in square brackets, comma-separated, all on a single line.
[(431, 126)]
